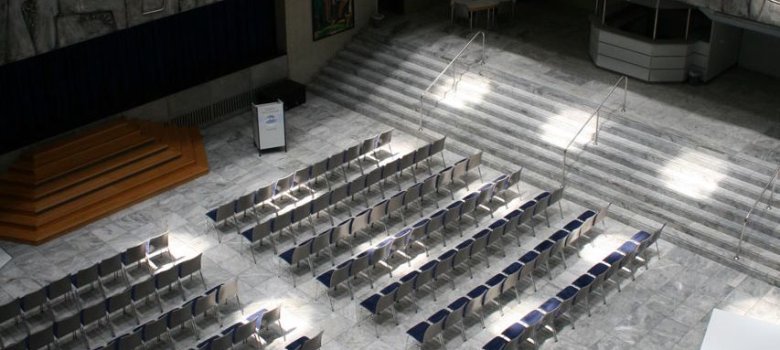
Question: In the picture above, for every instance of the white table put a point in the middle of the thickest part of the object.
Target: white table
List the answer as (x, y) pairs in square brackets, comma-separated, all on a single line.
[(730, 331), (473, 6)]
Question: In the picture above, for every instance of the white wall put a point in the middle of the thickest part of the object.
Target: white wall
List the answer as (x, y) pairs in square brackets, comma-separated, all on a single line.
[(760, 53), (306, 56), (725, 41)]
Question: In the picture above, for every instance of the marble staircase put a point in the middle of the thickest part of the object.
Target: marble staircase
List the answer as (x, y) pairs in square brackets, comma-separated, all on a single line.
[(652, 177)]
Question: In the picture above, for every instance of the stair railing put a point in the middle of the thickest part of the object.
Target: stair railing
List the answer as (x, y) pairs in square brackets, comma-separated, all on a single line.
[(772, 183), (596, 115), (436, 80)]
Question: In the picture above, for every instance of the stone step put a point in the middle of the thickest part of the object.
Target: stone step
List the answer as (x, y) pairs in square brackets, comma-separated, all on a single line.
[(657, 189), (751, 256)]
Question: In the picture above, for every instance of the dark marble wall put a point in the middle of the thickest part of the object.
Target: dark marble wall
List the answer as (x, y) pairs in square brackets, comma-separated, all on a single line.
[(31, 27)]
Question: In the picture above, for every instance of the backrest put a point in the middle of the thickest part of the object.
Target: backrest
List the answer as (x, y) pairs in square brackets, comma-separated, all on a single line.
[(368, 145), (281, 221), (118, 301), (66, 325), (179, 315), (463, 252), (426, 273), (494, 284), (40, 338), (407, 160), (142, 289), (453, 211), (243, 332), (498, 228), (528, 209), (341, 231), (445, 177), (469, 203), (512, 273), (385, 138), (396, 201), (390, 168), (459, 169), (335, 160), (164, 278), (544, 248), (456, 312), (57, 289), (373, 176), (556, 195), (602, 214), (401, 239), (515, 177), (378, 211), (412, 193), (153, 329), (656, 234), (445, 263), (437, 220), (477, 296), (542, 202), (356, 185), (272, 315), (204, 303), (10, 310), (429, 184), (407, 284), (319, 168), (360, 263), (85, 277), (245, 202), (436, 324), (264, 193), (302, 175), (259, 231), (587, 219), (474, 160), (314, 343), (381, 251), (129, 341), (361, 220), (284, 184), (320, 203), (438, 145), (92, 313), (480, 241), (338, 194), (227, 291), (502, 183), (340, 273), (321, 241), (422, 152), (161, 242), (33, 300), (352, 153), (190, 266), (486, 192), (301, 212), (418, 229), (302, 251), (222, 212)]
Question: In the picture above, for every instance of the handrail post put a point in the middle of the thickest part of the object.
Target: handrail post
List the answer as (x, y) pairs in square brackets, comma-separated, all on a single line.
[(483, 47), (741, 236), (625, 94), (598, 116), (563, 169), (772, 183)]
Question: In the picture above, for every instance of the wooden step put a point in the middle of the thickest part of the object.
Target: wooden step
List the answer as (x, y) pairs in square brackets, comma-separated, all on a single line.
[(52, 151), (110, 188)]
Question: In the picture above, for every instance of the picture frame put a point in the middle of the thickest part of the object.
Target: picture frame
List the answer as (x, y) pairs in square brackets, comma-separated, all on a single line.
[(331, 17)]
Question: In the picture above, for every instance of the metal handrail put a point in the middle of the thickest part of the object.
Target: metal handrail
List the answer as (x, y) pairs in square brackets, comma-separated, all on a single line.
[(595, 114), (149, 12), (430, 86), (772, 183)]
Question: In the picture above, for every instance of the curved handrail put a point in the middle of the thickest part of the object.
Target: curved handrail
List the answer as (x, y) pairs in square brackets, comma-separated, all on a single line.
[(595, 114), (430, 86), (772, 183), (149, 12)]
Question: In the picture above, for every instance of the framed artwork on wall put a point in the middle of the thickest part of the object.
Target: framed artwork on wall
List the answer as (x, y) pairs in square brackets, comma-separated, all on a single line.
[(330, 17)]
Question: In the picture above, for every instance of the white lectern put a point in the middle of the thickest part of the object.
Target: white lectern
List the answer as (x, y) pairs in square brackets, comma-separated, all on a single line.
[(270, 130)]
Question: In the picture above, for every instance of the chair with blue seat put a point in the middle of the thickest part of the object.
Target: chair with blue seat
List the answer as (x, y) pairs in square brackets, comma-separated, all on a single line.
[(318, 169), (166, 278), (474, 161), (69, 327), (495, 286), (302, 212), (356, 186), (629, 249), (189, 267), (389, 169), (342, 233), (470, 207), (463, 255), (401, 242), (295, 255), (545, 251), (283, 221), (265, 196), (515, 178), (406, 288), (337, 196), (480, 245), (360, 224), (498, 342), (429, 188), (551, 308), (444, 267), (557, 197), (485, 197), (615, 260), (542, 202), (359, 267), (437, 223), (512, 221), (179, 317), (601, 216), (244, 204), (379, 255), (429, 329), (529, 260), (501, 185), (379, 302), (423, 153), (395, 204), (334, 277), (599, 272), (562, 239), (534, 321), (425, 277), (645, 243), (495, 237), (476, 298), (453, 215), (418, 233), (413, 195), (575, 229), (321, 204), (256, 234), (586, 218), (283, 186), (584, 285), (320, 244), (516, 334), (374, 177), (222, 215), (512, 277), (306, 343), (526, 218), (567, 297), (444, 180), (378, 214), (457, 310), (459, 172), (407, 162)]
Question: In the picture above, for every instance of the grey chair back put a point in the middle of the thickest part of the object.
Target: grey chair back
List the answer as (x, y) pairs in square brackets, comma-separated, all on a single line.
[(385, 138), (302, 176), (321, 242), (92, 313), (87, 277), (368, 145), (437, 220), (271, 316), (118, 302), (320, 203), (160, 244), (335, 160), (453, 212), (419, 229), (407, 285), (314, 343), (373, 177), (444, 178), (10, 311), (224, 212), (480, 241), (259, 231), (360, 264), (142, 290), (33, 301), (154, 329), (340, 274), (40, 338), (129, 341), (378, 211), (190, 265), (352, 153), (301, 252), (284, 184), (57, 289), (401, 240), (429, 184), (407, 160), (445, 263), (515, 178), (381, 252), (602, 214), (356, 185), (227, 291), (463, 253), (319, 168), (338, 194), (459, 169), (342, 231), (264, 193), (281, 221), (301, 212), (66, 326), (528, 209), (438, 145), (542, 202), (245, 202), (469, 203), (396, 201), (412, 193), (165, 278), (178, 316), (556, 196), (422, 153), (243, 332), (474, 161), (426, 274), (390, 168)]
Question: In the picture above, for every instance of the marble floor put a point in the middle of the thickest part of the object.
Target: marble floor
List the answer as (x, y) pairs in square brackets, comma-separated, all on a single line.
[(667, 307)]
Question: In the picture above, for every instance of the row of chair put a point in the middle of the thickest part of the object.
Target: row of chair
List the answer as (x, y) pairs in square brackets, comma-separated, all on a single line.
[(325, 201), (436, 269), (242, 331), (347, 230), (508, 279), (398, 244), (301, 178), (624, 258), (161, 328), (77, 286), (68, 326)]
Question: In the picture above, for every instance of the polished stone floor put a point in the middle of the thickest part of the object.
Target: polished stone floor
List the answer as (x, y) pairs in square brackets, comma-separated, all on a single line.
[(666, 307)]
